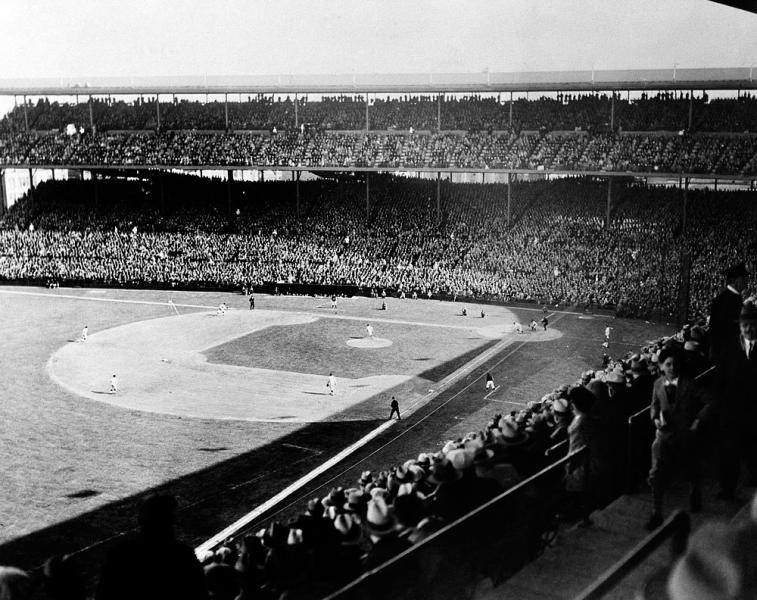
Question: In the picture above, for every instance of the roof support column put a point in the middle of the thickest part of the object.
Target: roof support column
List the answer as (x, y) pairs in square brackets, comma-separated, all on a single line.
[(162, 181), (509, 193), (609, 203), (439, 196), (3, 196), (691, 108), (511, 110), (612, 112), (297, 192), (157, 109), (296, 114), (95, 189), (439, 112), (26, 116), (367, 194), (685, 207), (91, 117), (229, 184), (226, 111), (367, 123)]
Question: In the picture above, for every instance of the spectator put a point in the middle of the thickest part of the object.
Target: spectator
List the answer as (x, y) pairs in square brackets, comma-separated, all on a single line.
[(679, 408), (152, 564)]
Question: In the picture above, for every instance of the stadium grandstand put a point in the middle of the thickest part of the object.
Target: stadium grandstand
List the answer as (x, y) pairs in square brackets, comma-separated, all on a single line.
[(449, 335)]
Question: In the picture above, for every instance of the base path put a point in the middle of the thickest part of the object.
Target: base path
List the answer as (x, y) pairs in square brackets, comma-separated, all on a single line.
[(161, 369)]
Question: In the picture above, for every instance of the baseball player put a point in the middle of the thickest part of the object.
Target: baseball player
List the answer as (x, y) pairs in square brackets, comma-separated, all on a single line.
[(489, 381), (369, 330), (331, 384), (113, 384)]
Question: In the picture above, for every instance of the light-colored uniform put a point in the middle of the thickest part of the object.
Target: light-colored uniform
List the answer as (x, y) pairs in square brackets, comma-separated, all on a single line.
[(331, 384), (369, 329), (113, 384), (84, 334)]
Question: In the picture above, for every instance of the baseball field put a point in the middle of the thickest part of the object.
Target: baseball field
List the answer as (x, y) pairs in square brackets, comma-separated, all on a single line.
[(227, 409)]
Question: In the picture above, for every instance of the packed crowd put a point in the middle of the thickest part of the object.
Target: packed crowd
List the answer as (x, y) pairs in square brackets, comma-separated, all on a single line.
[(556, 249), (669, 153), (565, 112)]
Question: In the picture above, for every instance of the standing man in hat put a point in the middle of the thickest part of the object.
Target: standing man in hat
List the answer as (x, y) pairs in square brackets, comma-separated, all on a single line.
[(737, 404), (724, 313)]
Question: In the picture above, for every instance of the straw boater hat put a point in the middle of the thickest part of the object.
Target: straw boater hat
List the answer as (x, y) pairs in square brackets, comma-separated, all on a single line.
[(442, 471), (560, 406), (350, 532), (615, 377), (357, 500), (379, 519), (511, 435)]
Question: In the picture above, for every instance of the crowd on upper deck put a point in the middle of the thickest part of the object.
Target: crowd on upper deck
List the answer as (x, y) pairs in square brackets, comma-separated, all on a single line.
[(650, 153), (591, 112)]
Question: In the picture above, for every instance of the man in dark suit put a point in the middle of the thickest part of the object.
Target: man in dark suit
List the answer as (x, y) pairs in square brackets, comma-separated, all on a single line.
[(679, 406), (737, 403), (725, 311)]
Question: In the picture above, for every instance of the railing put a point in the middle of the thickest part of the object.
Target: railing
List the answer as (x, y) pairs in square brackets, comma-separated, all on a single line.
[(640, 430), (493, 541), (677, 527)]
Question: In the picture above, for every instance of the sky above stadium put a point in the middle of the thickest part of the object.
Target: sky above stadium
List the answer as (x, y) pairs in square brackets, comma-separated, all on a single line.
[(45, 38)]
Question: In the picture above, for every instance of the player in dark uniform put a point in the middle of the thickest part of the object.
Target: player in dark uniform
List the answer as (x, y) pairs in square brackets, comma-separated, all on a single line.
[(395, 409)]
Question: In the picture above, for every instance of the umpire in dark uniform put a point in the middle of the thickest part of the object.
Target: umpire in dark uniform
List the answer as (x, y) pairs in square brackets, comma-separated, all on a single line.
[(737, 404), (725, 310)]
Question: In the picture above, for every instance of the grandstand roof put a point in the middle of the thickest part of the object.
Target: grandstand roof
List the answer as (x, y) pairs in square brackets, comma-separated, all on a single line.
[(542, 81)]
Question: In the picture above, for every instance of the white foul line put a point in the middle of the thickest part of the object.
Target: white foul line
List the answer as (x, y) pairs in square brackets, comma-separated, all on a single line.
[(271, 502), (116, 300)]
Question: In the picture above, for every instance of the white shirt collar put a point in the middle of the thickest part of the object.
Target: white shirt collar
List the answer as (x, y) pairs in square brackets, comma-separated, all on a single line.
[(671, 381), (733, 289)]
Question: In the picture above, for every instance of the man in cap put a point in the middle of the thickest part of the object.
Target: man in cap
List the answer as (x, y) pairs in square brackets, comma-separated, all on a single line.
[(725, 310), (737, 403)]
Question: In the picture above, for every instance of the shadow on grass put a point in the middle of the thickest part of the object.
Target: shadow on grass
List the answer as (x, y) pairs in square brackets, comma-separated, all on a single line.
[(212, 498), (209, 499)]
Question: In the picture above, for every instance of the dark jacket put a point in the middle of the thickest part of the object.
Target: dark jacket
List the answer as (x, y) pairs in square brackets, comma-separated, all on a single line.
[(151, 569), (724, 326), (737, 388), (682, 407)]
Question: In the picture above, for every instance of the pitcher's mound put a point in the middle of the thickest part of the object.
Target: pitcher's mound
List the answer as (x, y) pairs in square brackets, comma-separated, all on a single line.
[(369, 342)]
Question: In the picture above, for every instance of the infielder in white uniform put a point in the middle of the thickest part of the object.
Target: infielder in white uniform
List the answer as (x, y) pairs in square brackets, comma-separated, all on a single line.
[(331, 384), (369, 330), (113, 384)]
